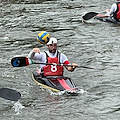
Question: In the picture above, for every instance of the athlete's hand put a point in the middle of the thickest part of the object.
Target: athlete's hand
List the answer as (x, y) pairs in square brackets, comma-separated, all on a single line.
[(71, 67), (74, 65), (36, 50)]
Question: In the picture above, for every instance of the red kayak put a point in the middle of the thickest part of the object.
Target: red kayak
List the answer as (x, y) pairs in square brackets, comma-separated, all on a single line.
[(55, 83)]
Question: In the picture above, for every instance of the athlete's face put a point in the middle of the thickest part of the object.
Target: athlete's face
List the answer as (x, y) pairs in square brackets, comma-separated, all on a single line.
[(52, 48)]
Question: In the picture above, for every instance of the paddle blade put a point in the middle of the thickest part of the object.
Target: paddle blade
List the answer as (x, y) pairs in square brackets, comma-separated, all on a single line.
[(9, 94), (89, 15), (20, 61)]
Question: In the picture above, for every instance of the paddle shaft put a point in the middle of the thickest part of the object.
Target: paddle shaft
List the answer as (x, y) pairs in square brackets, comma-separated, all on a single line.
[(24, 61), (62, 65)]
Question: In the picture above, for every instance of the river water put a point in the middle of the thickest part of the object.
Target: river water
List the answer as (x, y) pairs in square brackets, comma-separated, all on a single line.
[(94, 44)]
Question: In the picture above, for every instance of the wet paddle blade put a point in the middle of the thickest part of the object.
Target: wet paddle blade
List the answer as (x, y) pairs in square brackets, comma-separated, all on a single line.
[(20, 61), (89, 15), (9, 94)]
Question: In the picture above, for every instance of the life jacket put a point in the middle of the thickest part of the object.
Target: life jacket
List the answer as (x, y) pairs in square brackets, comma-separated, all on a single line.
[(117, 12), (52, 70)]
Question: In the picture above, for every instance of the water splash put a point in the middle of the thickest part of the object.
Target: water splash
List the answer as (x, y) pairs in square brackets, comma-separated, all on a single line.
[(57, 93), (17, 107), (81, 91)]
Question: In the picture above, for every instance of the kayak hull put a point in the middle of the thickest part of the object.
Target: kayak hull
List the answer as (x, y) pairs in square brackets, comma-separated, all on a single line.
[(105, 18), (55, 83)]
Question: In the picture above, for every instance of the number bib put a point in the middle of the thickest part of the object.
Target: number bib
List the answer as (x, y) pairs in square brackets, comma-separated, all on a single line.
[(52, 70)]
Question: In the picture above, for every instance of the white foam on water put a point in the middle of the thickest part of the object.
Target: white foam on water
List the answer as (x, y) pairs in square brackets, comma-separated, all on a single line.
[(82, 91), (79, 91), (17, 107), (57, 93)]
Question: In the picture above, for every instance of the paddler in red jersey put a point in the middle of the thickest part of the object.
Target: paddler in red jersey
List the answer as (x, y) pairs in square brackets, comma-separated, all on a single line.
[(51, 56), (114, 11)]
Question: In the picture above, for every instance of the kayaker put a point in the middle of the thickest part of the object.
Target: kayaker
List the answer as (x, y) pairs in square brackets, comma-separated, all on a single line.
[(114, 11), (51, 56)]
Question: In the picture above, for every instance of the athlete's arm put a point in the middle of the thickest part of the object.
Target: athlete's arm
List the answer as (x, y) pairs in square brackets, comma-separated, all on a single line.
[(34, 54), (31, 54), (66, 62), (72, 67), (113, 8)]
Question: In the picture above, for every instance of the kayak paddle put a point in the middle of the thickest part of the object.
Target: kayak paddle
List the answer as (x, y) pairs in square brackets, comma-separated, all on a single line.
[(24, 61), (89, 15), (9, 94)]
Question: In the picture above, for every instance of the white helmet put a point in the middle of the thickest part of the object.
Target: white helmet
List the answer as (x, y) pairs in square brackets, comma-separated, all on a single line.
[(52, 40)]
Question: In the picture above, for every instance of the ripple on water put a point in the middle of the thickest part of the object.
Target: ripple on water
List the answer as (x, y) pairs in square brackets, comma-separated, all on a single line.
[(93, 43)]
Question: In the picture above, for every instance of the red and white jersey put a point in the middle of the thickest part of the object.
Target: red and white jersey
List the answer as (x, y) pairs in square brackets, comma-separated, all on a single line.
[(42, 57), (52, 70), (114, 7)]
